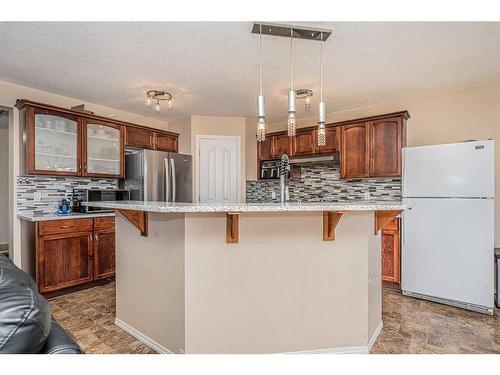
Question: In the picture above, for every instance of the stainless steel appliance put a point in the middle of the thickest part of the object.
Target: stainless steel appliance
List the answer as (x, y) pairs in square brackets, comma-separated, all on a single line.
[(270, 169), (158, 176), (97, 195)]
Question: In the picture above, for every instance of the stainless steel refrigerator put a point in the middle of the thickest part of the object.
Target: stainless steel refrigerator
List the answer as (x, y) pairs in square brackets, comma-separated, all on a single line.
[(158, 176)]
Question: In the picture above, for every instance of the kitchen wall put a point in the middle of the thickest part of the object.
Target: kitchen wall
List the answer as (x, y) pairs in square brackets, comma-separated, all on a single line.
[(445, 117), (4, 173), (9, 93), (321, 182), (182, 126)]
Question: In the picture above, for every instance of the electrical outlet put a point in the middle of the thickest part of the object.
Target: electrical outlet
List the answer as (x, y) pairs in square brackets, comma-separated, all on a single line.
[(273, 194), (367, 195), (37, 196)]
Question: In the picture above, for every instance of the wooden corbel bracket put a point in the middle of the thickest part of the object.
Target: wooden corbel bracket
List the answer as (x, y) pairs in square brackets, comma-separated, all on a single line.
[(138, 218), (232, 227), (382, 218), (330, 221)]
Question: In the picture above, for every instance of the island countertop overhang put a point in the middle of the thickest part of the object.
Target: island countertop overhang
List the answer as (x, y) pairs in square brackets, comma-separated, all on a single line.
[(169, 207)]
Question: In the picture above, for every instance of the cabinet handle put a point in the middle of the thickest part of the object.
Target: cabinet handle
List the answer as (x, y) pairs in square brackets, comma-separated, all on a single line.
[(66, 226)]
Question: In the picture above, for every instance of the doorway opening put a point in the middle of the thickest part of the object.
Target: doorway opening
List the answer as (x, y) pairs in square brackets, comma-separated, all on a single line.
[(5, 196)]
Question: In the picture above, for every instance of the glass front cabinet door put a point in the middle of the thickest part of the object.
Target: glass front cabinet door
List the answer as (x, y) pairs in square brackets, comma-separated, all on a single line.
[(53, 142), (103, 149)]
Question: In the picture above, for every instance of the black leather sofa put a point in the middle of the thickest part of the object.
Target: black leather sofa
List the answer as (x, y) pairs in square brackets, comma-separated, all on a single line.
[(26, 323)]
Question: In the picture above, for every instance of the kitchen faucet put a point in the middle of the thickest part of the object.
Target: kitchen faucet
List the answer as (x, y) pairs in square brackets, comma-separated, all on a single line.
[(284, 169)]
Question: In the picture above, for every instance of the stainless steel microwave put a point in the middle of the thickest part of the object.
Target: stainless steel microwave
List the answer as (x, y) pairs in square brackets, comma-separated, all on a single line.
[(98, 195)]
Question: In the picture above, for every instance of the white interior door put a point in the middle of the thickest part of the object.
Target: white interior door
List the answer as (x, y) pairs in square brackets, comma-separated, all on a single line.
[(218, 174)]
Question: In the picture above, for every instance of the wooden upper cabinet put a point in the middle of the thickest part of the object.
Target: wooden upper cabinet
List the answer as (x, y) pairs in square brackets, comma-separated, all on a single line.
[(52, 142), (166, 142), (385, 147), (354, 150), (282, 144), (138, 137), (265, 149), (304, 143), (103, 149), (331, 142)]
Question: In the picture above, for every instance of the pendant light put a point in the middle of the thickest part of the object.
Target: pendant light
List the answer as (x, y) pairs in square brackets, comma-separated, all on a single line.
[(321, 106), (292, 106), (261, 124)]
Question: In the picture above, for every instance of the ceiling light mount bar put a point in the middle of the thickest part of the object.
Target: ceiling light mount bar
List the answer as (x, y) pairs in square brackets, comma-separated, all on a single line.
[(296, 31)]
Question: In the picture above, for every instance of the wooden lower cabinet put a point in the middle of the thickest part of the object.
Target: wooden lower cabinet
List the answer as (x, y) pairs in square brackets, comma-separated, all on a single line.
[(64, 261), (75, 255), (391, 253)]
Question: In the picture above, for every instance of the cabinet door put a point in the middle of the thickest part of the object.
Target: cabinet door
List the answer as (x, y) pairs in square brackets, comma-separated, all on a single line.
[(391, 253), (354, 150), (166, 142), (282, 144), (332, 143), (141, 138), (104, 255), (264, 149), (53, 145), (385, 147), (64, 261), (304, 143), (103, 149)]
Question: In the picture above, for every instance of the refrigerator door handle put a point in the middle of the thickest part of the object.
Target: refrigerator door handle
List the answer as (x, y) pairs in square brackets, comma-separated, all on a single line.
[(167, 180), (172, 168)]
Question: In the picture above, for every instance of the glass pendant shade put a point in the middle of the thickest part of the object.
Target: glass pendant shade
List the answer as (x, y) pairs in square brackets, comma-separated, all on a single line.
[(157, 107), (148, 101)]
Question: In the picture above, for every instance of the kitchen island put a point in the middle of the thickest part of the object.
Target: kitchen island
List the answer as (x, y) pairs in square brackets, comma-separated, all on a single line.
[(250, 278)]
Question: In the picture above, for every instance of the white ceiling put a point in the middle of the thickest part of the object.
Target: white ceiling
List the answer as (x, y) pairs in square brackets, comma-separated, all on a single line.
[(212, 68)]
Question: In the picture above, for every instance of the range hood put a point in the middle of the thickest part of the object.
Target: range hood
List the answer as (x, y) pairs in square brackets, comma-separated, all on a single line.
[(298, 160)]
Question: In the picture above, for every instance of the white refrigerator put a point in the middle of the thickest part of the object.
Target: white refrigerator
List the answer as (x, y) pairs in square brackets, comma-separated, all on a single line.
[(448, 234)]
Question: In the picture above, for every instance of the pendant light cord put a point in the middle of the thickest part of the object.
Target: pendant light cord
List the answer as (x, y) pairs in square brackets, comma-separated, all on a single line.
[(321, 70), (261, 62), (291, 59)]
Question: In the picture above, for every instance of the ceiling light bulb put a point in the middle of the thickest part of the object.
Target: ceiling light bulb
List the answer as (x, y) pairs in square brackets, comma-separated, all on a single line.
[(292, 124), (169, 103), (261, 130), (157, 107), (307, 102), (148, 101)]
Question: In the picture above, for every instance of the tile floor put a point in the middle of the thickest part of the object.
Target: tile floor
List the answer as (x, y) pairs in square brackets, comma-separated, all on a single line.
[(410, 325), (89, 316)]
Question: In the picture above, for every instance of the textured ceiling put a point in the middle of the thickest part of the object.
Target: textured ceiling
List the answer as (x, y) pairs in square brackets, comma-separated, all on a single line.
[(212, 68)]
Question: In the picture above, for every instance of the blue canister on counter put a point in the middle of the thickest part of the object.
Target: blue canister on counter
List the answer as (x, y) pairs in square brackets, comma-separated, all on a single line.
[(64, 207)]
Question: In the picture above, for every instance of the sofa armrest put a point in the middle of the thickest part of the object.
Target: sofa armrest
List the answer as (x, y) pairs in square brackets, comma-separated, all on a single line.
[(60, 341)]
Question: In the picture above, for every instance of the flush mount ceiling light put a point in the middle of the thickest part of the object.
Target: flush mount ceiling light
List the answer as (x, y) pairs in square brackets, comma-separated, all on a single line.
[(158, 96), (291, 31), (305, 94)]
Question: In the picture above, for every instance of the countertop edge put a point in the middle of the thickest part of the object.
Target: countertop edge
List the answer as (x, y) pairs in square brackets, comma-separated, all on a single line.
[(52, 217)]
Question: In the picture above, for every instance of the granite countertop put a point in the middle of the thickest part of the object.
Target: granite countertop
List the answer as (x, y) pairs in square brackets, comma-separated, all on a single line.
[(56, 216), (169, 207)]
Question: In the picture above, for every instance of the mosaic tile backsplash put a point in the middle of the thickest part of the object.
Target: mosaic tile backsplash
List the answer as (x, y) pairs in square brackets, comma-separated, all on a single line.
[(53, 190), (320, 182)]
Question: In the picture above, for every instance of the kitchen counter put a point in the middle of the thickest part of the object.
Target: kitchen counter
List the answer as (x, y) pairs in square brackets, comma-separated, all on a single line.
[(167, 207), (56, 216), (272, 278)]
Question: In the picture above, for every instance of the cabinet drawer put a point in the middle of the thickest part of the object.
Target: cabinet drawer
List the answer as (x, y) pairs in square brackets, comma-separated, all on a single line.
[(104, 224), (392, 225), (64, 226)]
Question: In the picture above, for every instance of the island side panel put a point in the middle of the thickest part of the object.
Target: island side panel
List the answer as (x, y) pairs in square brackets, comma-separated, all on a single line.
[(281, 288), (374, 287), (150, 279)]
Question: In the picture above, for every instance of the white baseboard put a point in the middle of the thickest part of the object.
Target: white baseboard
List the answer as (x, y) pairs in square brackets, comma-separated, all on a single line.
[(343, 350), (348, 349), (142, 337)]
